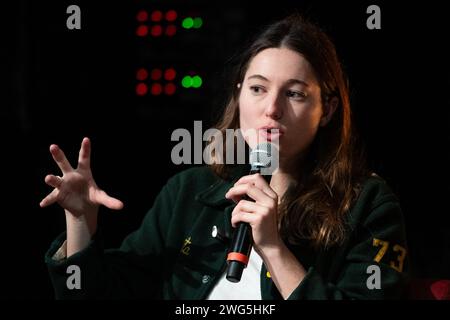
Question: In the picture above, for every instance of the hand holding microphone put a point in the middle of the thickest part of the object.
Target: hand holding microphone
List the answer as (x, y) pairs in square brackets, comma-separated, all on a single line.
[(255, 215)]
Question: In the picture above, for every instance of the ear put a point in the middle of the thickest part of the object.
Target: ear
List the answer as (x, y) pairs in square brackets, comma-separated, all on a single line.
[(329, 108)]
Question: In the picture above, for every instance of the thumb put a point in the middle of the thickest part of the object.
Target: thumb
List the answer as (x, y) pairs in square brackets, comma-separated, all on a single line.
[(101, 197)]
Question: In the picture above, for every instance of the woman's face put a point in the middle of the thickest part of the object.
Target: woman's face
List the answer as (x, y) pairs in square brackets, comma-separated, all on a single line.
[(280, 90)]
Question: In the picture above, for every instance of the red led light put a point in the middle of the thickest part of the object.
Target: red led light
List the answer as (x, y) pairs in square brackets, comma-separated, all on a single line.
[(141, 89), (142, 16), (156, 74), (142, 31), (171, 30), (156, 16), (156, 30), (156, 89), (142, 74), (169, 74), (171, 15), (170, 89)]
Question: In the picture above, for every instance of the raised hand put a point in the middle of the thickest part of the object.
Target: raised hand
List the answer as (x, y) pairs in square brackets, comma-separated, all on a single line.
[(76, 190)]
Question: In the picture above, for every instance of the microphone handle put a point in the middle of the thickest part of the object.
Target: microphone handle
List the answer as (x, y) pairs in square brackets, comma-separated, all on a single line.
[(240, 252)]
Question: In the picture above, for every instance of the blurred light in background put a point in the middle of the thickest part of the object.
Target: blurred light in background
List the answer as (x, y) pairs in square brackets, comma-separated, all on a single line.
[(141, 89), (142, 74), (162, 56), (191, 82), (156, 89), (156, 16), (142, 16), (142, 31)]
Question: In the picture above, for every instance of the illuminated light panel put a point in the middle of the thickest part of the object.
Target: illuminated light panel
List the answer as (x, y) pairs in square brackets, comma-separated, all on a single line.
[(187, 23), (197, 23), (171, 15), (186, 82), (171, 30), (170, 74), (142, 74), (142, 16), (170, 89), (156, 30), (156, 16), (156, 89), (197, 81), (156, 74), (142, 31), (141, 89)]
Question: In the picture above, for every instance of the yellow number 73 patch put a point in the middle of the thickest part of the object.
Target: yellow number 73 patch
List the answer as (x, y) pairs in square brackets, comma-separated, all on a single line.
[(396, 265)]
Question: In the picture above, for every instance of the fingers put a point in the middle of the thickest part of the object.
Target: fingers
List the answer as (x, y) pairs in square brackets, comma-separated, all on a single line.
[(247, 206), (60, 159), (258, 181), (53, 181), (246, 211), (50, 199), (243, 217), (84, 157), (101, 197), (235, 193)]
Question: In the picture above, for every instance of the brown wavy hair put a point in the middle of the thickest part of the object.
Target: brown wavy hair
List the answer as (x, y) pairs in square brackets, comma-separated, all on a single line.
[(334, 167)]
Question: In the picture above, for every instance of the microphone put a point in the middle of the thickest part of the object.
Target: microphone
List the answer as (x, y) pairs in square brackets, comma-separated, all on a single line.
[(241, 245)]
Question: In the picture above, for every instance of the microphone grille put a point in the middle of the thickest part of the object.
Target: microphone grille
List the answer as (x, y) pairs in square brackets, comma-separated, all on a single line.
[(261, 156)]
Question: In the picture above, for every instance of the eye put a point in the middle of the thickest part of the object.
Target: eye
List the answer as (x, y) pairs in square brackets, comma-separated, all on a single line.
[(296, 95), (256, 90)]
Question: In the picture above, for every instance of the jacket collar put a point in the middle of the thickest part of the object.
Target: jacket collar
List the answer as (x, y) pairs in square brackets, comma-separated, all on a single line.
[(214, 195)]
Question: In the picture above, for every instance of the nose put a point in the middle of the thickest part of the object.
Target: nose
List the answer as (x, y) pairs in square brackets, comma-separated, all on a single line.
[(274, 108)]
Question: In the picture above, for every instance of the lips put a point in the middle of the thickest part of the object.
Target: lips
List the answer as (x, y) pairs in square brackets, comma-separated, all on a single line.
[(269, 128), (268, 132)]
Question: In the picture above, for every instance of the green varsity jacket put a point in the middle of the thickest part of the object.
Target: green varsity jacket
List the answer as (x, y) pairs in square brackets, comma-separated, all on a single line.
[(173, 255)]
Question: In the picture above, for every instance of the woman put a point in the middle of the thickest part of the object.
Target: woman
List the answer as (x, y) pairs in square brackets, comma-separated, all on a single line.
[(324, 228)]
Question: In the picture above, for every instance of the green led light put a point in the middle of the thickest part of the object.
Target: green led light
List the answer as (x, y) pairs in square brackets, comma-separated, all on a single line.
[(187, 82), (197, 23), (197, 81), (188, 23)]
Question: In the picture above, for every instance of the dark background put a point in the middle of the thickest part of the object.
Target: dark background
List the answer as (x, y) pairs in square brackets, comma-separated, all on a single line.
[(61, 85)]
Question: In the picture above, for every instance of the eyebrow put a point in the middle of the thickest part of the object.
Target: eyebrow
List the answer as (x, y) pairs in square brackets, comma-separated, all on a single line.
[(290, 81)]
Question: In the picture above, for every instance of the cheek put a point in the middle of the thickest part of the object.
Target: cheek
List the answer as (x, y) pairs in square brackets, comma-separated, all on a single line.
[(248, 121), (247, 113), (306, 123), (309, 116)]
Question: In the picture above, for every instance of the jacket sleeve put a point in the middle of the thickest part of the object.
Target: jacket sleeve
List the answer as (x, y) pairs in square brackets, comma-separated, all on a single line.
[(374, 265), (132, 271)]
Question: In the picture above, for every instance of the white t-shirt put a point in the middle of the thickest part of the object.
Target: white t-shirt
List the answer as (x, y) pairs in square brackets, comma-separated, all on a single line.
[(249, 288)]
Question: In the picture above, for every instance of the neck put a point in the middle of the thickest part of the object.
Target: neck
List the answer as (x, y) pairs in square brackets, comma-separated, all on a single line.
[(285, 175)]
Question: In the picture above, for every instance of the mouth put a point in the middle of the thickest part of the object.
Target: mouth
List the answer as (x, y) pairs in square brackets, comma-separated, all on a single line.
[(271, 133), (270, 128)]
